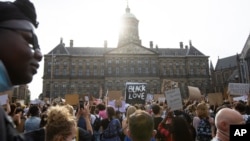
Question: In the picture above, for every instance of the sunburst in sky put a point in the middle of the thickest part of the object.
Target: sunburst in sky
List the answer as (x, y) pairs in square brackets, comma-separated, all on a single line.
[(216, 27)]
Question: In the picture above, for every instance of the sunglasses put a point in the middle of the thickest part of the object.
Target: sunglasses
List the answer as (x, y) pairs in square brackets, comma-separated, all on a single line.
[(22, 25)]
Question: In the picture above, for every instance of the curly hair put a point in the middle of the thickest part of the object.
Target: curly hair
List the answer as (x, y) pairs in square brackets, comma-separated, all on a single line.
[(59, 123)]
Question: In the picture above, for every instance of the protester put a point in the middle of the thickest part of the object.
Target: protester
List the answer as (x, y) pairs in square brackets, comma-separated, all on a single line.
[(141, 126), (61, 126), (223, 119), (130, 110), (157, 119), (203, 123), (19, 53), (33, 121), (110, 127)]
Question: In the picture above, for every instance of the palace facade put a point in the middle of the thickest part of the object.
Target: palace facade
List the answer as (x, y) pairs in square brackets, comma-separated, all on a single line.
[(94, 70)]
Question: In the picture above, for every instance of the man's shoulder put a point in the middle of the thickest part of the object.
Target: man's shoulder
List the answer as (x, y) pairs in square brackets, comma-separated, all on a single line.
[(35, 135)]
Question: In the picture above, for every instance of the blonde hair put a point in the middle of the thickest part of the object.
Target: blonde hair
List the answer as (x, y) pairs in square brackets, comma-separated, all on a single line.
[(130, 110), (202, 110), (59, 123)]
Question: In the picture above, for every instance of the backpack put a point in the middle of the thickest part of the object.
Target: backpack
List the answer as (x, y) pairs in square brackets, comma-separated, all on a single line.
[(97, 123), (112, 130), (204, 132), (248, 119)]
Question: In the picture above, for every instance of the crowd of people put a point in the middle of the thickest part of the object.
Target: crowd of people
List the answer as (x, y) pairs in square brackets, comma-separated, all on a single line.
[(19, 60), (154, 121)]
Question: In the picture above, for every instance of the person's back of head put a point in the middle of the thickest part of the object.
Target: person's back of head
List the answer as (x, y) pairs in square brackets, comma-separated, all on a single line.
[(180, 129), (34, 110), (156, 109), (60, 124), (223, 119), (240, 107), (141, 126)]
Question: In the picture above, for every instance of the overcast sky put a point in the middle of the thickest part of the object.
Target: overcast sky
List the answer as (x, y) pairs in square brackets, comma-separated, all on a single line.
[(218, 28)]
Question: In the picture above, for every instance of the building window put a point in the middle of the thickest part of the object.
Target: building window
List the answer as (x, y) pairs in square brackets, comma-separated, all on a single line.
[(72, 72), (80, 72), (109, 62), (170, 71), (146, 71), (56, 71), (87, 72), (109, 70), (154, 70), (117, 62), (139, 70), (124, 70), (117, 71), (102, 72), (191, 71), (132, 70), (64, 71), (95, 72)]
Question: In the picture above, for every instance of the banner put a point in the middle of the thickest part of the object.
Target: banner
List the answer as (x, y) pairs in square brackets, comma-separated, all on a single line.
[(174, 99), (238, 88), (136, 93), (121, 106), (215, 98)]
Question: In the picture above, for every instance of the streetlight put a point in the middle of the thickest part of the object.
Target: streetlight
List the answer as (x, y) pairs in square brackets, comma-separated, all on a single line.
[(51, 76)]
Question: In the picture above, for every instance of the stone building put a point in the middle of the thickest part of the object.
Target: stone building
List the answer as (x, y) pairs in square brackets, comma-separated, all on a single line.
[(89, 70), (232, 69)]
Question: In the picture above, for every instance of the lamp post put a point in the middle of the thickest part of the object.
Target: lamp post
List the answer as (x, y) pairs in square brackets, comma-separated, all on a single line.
[(51, 76)]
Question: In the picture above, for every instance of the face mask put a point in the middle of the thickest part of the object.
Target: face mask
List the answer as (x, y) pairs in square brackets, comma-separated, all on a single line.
[(5, 83)]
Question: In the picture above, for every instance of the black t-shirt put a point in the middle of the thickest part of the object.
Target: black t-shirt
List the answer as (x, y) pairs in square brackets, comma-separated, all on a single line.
[(39, 135), (157, 121)]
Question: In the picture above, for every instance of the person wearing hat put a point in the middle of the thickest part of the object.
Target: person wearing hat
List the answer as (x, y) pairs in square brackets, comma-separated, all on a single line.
[(19, 53)]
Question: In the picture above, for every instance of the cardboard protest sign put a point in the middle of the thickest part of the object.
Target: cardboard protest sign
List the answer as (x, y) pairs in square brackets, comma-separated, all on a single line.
[(238, 88), (174, 99), (149, 97), (9, 93), (3, 99), (168, 85), (158, 96), (194, 93), (72, 99), (114, 95), (136, 93), (242, 98), (215, 98), (120, 108)]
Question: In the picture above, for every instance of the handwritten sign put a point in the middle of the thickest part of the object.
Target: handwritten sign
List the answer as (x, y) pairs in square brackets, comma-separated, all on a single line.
[(215, 98), (72, 99), (238, 88), (150, 97), (136, 93), (174, 99)]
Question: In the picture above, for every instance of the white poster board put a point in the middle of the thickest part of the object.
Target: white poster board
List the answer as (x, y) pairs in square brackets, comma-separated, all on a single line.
[(238, 88), (3, 99), (174, 99)]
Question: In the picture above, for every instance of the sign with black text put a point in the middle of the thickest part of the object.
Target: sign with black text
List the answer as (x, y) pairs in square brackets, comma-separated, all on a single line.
[(174, 99), (136, 93)]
